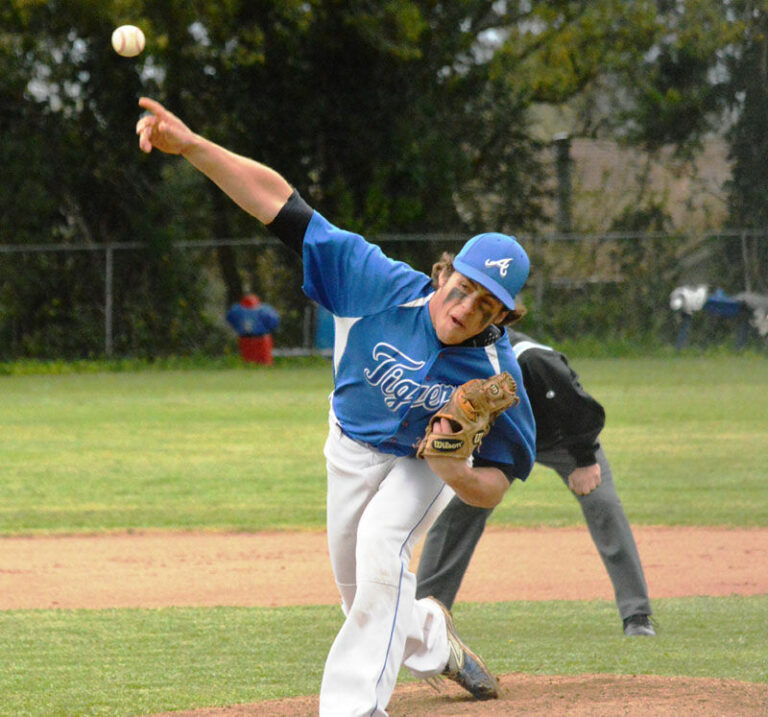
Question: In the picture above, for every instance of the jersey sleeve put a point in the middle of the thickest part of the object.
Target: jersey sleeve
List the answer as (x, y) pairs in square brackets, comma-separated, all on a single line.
[(510, 445), (352, 277)]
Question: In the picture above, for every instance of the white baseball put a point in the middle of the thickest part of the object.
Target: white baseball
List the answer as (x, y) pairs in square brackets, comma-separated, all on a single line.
[(128, 40)]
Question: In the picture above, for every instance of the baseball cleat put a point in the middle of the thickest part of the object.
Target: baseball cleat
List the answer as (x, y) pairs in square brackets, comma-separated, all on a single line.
[(464, 667), (638, 626)]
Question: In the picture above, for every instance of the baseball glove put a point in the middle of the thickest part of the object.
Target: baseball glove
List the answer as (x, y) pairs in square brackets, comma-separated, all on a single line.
[(471, 410)]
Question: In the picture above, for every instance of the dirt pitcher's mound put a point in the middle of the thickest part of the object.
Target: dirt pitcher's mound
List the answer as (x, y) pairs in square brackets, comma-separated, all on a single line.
[(545, 695)]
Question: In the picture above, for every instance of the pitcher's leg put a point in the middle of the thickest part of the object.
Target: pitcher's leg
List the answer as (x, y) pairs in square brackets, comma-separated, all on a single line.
[(354, 475), (426, 648), (366, 656)]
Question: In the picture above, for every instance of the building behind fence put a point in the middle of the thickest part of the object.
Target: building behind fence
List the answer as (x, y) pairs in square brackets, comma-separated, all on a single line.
[(607, 288)]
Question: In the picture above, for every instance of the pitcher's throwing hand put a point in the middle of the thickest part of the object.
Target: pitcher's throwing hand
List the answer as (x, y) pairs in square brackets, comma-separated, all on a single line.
[(162, 129)]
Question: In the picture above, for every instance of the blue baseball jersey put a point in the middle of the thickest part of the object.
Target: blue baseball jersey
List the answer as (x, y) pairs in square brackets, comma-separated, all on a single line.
[(391, 372)]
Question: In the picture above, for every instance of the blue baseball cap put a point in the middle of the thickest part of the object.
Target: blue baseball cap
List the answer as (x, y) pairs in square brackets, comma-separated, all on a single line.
[(497, 262)]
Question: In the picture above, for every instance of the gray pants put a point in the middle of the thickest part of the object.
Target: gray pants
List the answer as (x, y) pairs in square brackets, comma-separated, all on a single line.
[(451, 541)]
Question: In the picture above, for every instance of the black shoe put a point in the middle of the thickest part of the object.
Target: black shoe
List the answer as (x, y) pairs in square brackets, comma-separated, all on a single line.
[(465, 667), (638, 626)]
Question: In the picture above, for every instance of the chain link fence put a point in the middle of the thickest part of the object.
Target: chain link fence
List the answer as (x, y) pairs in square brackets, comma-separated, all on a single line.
[(129, 299)]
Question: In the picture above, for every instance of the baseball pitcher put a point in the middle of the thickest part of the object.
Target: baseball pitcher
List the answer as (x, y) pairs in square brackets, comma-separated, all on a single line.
[(405, 432)]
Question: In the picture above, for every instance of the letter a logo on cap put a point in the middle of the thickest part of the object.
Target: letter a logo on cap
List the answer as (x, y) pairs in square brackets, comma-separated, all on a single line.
[(503, 265)]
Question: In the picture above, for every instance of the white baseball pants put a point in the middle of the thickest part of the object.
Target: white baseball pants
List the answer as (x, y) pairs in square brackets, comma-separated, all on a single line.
[(379, 506)]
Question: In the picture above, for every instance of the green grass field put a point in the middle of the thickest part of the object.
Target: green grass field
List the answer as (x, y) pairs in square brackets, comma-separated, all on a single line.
[(232, 448)]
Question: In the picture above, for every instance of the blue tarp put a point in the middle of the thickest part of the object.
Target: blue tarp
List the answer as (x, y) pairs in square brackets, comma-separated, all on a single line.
[(720, 304)]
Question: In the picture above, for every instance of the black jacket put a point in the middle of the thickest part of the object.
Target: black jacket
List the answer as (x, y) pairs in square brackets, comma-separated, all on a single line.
[(566, 415)]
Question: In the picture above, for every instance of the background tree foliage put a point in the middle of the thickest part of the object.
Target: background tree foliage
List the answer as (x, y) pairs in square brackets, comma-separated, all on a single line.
[(404, 116), (709, 74)]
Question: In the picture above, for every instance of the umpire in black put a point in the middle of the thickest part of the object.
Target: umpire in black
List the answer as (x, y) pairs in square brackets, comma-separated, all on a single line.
[(568, 423)]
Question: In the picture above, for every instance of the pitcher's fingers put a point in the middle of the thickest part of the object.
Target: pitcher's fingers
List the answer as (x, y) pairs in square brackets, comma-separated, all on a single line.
[(144, 142), (152, 105), (442, 426), (143, 122)]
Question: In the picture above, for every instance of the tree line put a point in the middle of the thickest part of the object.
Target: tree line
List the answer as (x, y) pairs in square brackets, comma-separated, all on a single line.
[(410, 116)]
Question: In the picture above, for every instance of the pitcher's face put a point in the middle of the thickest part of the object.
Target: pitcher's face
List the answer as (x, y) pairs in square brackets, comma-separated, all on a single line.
[(461, 309)]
